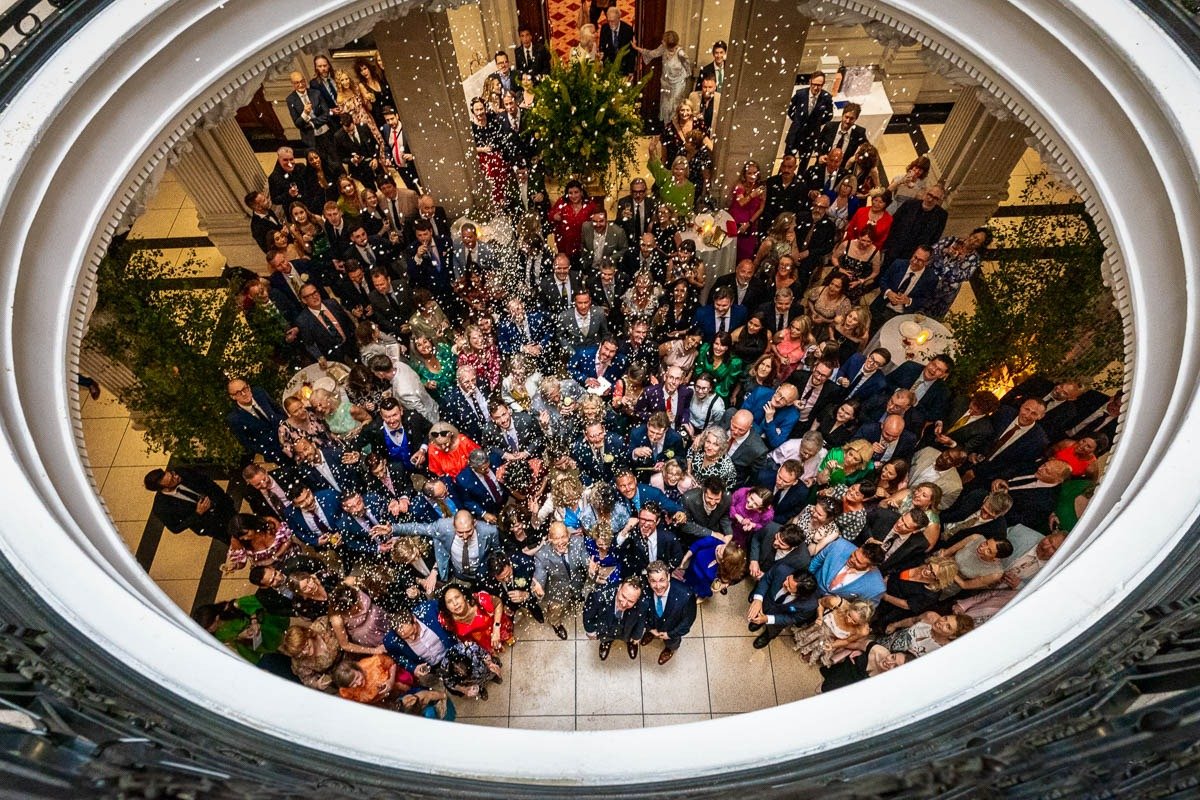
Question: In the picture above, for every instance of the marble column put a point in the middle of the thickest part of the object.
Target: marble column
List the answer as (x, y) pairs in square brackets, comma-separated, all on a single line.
[(218, 168), (422, 67), (974, 156), (758, 89), (499, 26)]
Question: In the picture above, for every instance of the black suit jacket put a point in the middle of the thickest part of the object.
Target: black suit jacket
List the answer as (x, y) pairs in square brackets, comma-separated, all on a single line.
[(529, 435), (792, 502), (256, 435), (550, 299), (791, 198), (626, 221), (785, 613), (768, 311), (762, 550), (609, 45), (319, 340), (828, 392), (1017, 458), (391, 311), (816, 178), (679, 612), (320, 114), (829, 134), (632, 552), (749, 458), (441, 223), (600, 618), (824, 238), (309, 191), (700, 522), (757, 292), (806, 122), (912, 225), (1032, 507), (537, 67), (261, 228), (179, 515)]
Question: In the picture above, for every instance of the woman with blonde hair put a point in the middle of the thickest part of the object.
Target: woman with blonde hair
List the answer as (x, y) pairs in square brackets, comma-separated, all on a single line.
[(916, 590), (791, 346), (314, 651), (780, 241), (675, 75), (356, 100), (588, 48), (840, 625), (849, 463)]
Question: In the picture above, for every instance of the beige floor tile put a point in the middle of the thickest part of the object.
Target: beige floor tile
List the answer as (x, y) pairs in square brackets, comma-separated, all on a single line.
[(499, 697), (131, 532), (527, 629), (186, 223), (607, 687), (659, 720), (679, 686), (235, 587), (182, 592), (552, 723), (170, 195), (107, 406), (608, 722), (486, 722), (932, 131), (154, 224), (180, 556), (794, 679), (208, 262), (543, 679), (739, 677), (102, 438), (725, 614), (125, 495), (135, 451), (896, 151), (170, 255)]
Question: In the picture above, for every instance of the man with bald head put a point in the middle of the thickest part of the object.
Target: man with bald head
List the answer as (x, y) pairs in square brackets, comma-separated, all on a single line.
[(747, 449), (461, 544), (312, 116), (889, 439)]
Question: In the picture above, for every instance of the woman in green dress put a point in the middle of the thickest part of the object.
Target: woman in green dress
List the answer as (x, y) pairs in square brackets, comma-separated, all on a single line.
[(673, 187), (843, 465), (434, 364), (717, 360)]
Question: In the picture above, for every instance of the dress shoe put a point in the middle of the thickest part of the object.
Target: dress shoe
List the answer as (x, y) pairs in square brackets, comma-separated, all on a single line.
[(633, 649), (604, 648), (483, 693), (762, 640), (754, 626), (647, 639), (538, 615), (560, 632), (496, 679), (665, 656)]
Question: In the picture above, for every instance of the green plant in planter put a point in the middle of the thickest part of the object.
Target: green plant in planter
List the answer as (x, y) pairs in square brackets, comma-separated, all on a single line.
[(1045, 308), (182, 343), (586, 120)]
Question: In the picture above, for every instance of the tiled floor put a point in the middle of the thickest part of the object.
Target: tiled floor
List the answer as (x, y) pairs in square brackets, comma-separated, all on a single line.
[(549, 684)]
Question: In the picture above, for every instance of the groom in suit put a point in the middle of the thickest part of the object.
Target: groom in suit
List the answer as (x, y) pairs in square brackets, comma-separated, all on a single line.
[(672, 610)]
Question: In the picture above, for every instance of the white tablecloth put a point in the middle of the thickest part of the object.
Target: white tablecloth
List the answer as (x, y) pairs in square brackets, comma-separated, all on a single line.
[(311, 373), (718, 261), (889, 336)]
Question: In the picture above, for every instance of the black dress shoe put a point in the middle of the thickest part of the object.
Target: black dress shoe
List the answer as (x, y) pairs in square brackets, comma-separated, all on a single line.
[(483, 693), (604, 648), (538, 615), (647, 639), (633, 649), (754, 626), (561, 632), (762, 640)]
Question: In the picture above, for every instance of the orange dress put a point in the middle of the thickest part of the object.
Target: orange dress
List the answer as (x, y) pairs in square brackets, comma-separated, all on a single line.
[(448, 465), (479, 629), (375, 669)]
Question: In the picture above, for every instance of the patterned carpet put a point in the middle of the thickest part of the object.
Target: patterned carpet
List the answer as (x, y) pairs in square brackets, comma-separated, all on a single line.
[(563, 18)]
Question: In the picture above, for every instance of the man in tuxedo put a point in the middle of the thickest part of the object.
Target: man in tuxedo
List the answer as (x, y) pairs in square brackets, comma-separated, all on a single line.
[(972, 429), (399, 150), (778, 313), (292, 181), (916, 223), (905, 288), (522, 331), (312, 114), (715, 69), (428, 264), (1019, 444), (513, 435), (671, 611), (582, 324), (466, 405), (600, 455), (786, 192), (928, 383), (326, 330), (647, 257), (263, 222), (816, 235), (601, 241), (722, 315), (706, 102), (862, 377), (653, 443), (749, 291), (354, 292), (844, 135), (533, 59), (254, 420), (590, 364), (560, 287), (615, 35), (480, 488), (707, 510), (188, 500), (391, 306), (401, 436), (616, 613), (358, 151), (747, 450), (671, 395), (526, 194), (647, 543), (784, 596), (809, 110)]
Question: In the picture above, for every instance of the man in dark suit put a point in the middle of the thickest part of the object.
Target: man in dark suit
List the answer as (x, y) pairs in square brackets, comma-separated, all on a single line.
[(1099, 416), (814, 391), (1061, 399), (254, 421), (429, 263), (928, 383), (600, 242), (889, 439), (400, 435), (354, 292), (784, 596), (337, 232), (513, 435), (599, 455), (824, 175), (671, 610), (268, 494), (905, 288), (786, 193), (439, 225), (560, 286), (777, 314), (399, 150), (722, 315), (707, 510), (325, 328), (390, 303), (292, 181), (790, 495), (774, 545), (324, 83), (358, 151), (749, 291), (616, 613), (646, 257), (902, 539), (608, 289), (635, 211), (653, 443), (845, 134), (671, 395), (518, 145), (602, 361), (263, 222), (522, 331), (188, 500), (480, 488), (582, 324), (526, 194), (971, 427), (372, 251), (647, 543), (614, 35), (1035, 496), (809, 110), (982, 511), (816, 235), (472, 256), (532, 58), (862, 377), (465, 404), (312, 114), (715, 70), (916, 223), (1019, 444), (747, 450), (328, 467), (509, 82)]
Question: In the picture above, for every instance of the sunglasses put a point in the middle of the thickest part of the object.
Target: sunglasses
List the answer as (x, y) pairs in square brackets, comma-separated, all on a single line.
[(439, 434)]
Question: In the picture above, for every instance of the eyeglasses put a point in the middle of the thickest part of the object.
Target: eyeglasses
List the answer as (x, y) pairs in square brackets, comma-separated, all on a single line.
[(439, 434)]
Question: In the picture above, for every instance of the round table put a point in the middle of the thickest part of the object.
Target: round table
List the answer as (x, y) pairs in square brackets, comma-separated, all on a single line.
[(718, 261), (311, 373), (940, 340)]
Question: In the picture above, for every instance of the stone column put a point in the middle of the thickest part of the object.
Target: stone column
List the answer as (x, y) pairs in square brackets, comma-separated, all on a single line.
[(758, 87), (499, 26), (904, 73), (218, 168), (418, 51), (974, 156)]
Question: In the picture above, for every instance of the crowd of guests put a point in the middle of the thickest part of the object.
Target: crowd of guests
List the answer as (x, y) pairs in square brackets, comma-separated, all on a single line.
[(584, 423)]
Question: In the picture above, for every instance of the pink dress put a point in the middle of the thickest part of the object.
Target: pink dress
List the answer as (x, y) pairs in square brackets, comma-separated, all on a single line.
[(757, 519), (747, 243)]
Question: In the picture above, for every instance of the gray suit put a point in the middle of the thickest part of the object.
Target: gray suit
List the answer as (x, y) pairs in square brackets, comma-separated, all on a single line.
[(701, 523), (615, 244), (551, 573), (442, 533), (572, 338), (750, 457)]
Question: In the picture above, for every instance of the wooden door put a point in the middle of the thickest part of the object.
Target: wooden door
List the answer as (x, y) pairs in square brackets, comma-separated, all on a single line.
[(650, 22), (532, 13)]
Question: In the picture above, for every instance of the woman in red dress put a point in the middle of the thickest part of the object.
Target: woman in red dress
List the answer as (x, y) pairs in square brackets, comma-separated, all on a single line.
[(489, 140), (568, 215), (476, 618)]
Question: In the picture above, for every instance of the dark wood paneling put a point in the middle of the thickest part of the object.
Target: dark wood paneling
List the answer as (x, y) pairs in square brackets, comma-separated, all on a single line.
[(533, 14), (649, 26)]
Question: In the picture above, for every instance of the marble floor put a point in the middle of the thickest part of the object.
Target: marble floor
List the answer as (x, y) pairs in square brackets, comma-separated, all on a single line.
[(549, 683)]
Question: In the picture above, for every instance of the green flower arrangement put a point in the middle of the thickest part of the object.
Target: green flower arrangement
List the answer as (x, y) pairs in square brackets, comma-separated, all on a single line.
[(586, 118)]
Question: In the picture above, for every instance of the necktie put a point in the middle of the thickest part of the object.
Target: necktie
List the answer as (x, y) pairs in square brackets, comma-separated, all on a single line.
[(566, 565), (511, 436), (255, 412), (637, 218), (780, 321), (322, 526), (492, 488), (393, 302), (368, 255), (329, 87), (466, 559), (660, 603), (855, 384), (397, 217), (1003, 440), (528, 57), (331, 324), (397, 151), (841, 139), (963, 420), (721, 324), (274, 503), (562, 290), (671, 405), (903, 287)]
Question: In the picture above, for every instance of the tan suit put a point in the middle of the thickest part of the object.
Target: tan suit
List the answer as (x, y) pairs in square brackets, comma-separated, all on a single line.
[(694, 102), (949, 481)]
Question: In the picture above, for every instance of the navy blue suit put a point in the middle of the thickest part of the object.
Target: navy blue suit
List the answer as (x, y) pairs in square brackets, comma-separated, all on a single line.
[(510, 337), (634, 555), (782, 610), (648, 494), (906, 445), (872, 386), (426, 612), (582, 366), (672, 443), (920, 291), (256, 434), (605, 468), (678, 616), (706, 320), (600, 617), (475, 495), (1019, 457), (327, 501), (934, 406)]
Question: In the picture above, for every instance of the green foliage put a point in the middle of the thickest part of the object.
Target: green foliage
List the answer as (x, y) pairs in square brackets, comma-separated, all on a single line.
[(181, 343), (1045, 308), (586, 118)]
